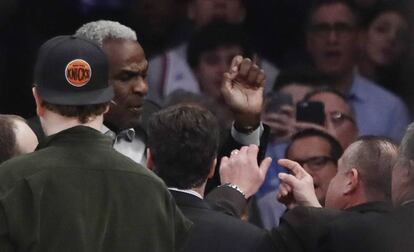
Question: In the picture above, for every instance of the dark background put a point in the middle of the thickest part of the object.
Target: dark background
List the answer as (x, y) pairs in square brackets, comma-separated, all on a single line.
[(275, 27)]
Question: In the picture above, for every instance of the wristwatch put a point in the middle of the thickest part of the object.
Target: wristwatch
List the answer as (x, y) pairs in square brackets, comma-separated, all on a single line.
[(235, 187)]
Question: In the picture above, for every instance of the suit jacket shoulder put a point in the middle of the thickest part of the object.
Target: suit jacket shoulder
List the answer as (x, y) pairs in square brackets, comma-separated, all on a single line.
[(215, 231)]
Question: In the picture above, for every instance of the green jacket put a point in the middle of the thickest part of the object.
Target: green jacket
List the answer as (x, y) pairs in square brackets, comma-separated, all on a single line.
[(76, 193)]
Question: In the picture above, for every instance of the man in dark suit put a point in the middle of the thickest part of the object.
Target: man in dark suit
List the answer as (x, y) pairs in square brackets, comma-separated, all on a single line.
[(360, 189), (183, 144)]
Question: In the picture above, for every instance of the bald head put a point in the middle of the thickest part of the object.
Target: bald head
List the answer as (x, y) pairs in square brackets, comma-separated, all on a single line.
[(16, 137)]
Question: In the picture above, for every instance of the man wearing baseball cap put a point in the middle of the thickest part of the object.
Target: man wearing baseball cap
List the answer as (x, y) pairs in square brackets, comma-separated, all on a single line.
[(76, 193)]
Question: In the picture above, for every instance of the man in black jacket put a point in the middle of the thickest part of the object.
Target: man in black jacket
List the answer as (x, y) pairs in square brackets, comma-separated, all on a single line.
[(361, 188), (75, 192), (183, 145)]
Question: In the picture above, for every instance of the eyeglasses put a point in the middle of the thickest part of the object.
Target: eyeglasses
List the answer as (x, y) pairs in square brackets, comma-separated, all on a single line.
[(316, 163), (324, 30), (337, 118)]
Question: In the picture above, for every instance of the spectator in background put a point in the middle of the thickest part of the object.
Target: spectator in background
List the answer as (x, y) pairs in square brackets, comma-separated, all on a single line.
[(384, 44), (318, 153), (339, 117), (280, 115), (339, 122), (158, 24), (16, 137), (170, 70), (332, 33), (291, 83), (210, 53)]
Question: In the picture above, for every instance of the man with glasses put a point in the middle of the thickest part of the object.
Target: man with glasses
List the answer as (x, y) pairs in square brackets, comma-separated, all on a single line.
[(332, 42), (318, 153), (339, 117), (357, 200)]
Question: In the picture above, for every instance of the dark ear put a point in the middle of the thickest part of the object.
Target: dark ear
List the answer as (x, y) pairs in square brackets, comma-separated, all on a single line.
[(352, 183)]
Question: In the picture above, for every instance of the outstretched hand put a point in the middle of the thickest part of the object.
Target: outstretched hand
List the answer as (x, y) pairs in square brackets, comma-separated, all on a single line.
[(296, 188), (242, 169), (242, 90)]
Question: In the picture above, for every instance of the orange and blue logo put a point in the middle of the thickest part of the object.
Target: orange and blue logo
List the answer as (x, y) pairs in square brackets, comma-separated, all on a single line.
[(78, 72)]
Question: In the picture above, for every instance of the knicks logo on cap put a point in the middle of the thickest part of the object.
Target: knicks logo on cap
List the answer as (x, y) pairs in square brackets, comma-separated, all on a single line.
[(78, 72)]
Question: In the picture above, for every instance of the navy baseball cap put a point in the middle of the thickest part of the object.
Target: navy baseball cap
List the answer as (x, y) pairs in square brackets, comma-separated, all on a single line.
[(72, 71)]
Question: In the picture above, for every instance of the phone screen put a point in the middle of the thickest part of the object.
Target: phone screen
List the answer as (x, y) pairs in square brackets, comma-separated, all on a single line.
[(311, 111)]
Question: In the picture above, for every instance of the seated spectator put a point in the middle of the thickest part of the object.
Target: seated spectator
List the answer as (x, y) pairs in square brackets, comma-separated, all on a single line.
[(210, 52), (290, 87), (174, 133), (318, 153), (293, 83), (332, 33), (384, 43), (339, 117), (170, 70), (16, 137), (157, 23)]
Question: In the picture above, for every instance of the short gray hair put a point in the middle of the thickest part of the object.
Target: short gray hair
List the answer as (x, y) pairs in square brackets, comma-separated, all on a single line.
[(99, 31)]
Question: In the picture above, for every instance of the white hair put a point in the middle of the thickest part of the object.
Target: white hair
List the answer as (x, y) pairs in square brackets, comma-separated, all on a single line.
[(99, 31)]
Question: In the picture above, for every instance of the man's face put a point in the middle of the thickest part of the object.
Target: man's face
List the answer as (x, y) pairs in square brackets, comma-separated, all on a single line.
[(332, 39), (313, 153), (339, 120), (203, 12), (212, 65), (127, 72)]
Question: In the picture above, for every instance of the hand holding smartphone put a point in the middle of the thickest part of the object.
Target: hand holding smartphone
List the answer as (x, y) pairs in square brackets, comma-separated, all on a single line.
[(275, 101), (311, 111)]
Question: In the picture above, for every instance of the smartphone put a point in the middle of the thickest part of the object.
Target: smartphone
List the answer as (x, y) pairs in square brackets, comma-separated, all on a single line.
[(275, 101), (311, 111)]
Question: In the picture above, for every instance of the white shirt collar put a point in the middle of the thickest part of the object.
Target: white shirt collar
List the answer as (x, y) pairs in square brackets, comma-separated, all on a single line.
[(189, 191)]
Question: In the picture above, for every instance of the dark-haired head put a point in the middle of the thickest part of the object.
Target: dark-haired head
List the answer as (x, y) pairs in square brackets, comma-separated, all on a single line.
[(183, 141)]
